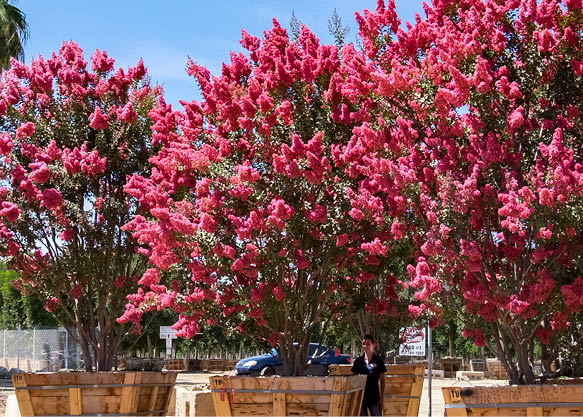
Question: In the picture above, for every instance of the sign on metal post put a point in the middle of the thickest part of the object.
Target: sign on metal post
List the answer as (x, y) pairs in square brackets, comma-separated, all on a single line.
[(412, 341), (169, 347), (168, 333)]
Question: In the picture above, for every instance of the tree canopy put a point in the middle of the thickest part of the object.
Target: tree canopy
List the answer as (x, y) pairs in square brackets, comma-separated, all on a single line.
[(69, 136)]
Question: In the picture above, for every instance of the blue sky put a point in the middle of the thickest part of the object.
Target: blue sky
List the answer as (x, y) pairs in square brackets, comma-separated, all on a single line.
[(165, 34)]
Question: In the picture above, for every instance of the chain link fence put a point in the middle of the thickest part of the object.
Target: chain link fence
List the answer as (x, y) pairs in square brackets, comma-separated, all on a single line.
[(37, 350)]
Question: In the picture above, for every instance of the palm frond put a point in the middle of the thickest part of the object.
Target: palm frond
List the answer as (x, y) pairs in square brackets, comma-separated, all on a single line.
[(13, 33)]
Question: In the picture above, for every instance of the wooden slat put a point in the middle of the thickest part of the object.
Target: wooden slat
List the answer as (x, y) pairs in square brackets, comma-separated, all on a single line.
[(128, 394), (22, 396), (453, 396), (353, 407), (308, 410), (153, 399), (279, 408), (337, 400), (416, 389), (75, 403), (248, 410), (221, 398), (169, 395), (261, 398), (87, 392), (534, 411), (357, 403)]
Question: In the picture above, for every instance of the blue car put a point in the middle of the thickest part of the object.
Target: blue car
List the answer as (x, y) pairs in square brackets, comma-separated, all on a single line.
[(269, 364)]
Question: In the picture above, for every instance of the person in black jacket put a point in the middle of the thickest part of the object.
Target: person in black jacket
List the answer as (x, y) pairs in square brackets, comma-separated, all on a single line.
[(372, 365)]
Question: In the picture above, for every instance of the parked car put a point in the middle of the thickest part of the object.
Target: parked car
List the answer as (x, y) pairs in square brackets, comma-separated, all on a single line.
[(269, 363)]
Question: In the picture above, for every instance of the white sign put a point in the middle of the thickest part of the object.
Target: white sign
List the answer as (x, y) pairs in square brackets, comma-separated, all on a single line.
[(167, 333), (412, 341)]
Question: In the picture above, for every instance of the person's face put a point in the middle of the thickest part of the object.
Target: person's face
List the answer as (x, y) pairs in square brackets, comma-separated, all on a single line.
[(367, 346)]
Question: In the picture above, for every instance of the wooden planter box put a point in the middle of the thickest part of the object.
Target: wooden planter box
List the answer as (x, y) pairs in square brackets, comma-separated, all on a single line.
[(103, 393), (515, 400), (194, 364), (132, 364), (283, 396), (153, 364), (403, 387), (495, 369), (450, 366), (176, 364)]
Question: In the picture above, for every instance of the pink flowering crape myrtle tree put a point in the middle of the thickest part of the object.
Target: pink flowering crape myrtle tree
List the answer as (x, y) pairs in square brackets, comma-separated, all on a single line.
[(257, 199), (69, 138), (493, 94)]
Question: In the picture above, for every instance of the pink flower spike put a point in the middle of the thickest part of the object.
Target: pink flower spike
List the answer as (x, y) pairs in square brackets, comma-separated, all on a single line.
[(98, 120)]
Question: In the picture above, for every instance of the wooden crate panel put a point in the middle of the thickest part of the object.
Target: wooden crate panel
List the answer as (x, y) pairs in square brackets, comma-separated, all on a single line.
[(395, 408), (251, 410), (450, 366), (531, 400), (339, 395), (176, 364), (495, 369), (125, 393), (194, 364), (59, 407), (311, 410), (401, 380), (217, 365)]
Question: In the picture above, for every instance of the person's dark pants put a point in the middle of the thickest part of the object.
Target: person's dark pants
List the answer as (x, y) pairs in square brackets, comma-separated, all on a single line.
[(373, 408)]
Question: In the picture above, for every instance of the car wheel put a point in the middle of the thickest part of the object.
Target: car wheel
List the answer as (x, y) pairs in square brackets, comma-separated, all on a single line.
[(267, 371)]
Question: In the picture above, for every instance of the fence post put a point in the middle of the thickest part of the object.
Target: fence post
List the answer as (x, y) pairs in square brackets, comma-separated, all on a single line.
[(34, 348), (66, 349), (18, 355), (4, 351)]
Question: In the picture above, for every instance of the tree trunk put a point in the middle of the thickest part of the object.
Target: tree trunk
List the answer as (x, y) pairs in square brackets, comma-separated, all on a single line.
[(98, 350), (524, 365)]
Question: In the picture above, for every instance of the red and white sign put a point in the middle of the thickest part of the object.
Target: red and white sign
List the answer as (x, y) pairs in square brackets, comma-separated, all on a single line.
[(412, 341)]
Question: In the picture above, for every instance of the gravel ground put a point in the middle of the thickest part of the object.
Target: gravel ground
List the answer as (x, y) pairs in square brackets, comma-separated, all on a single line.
[(3, 396)]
